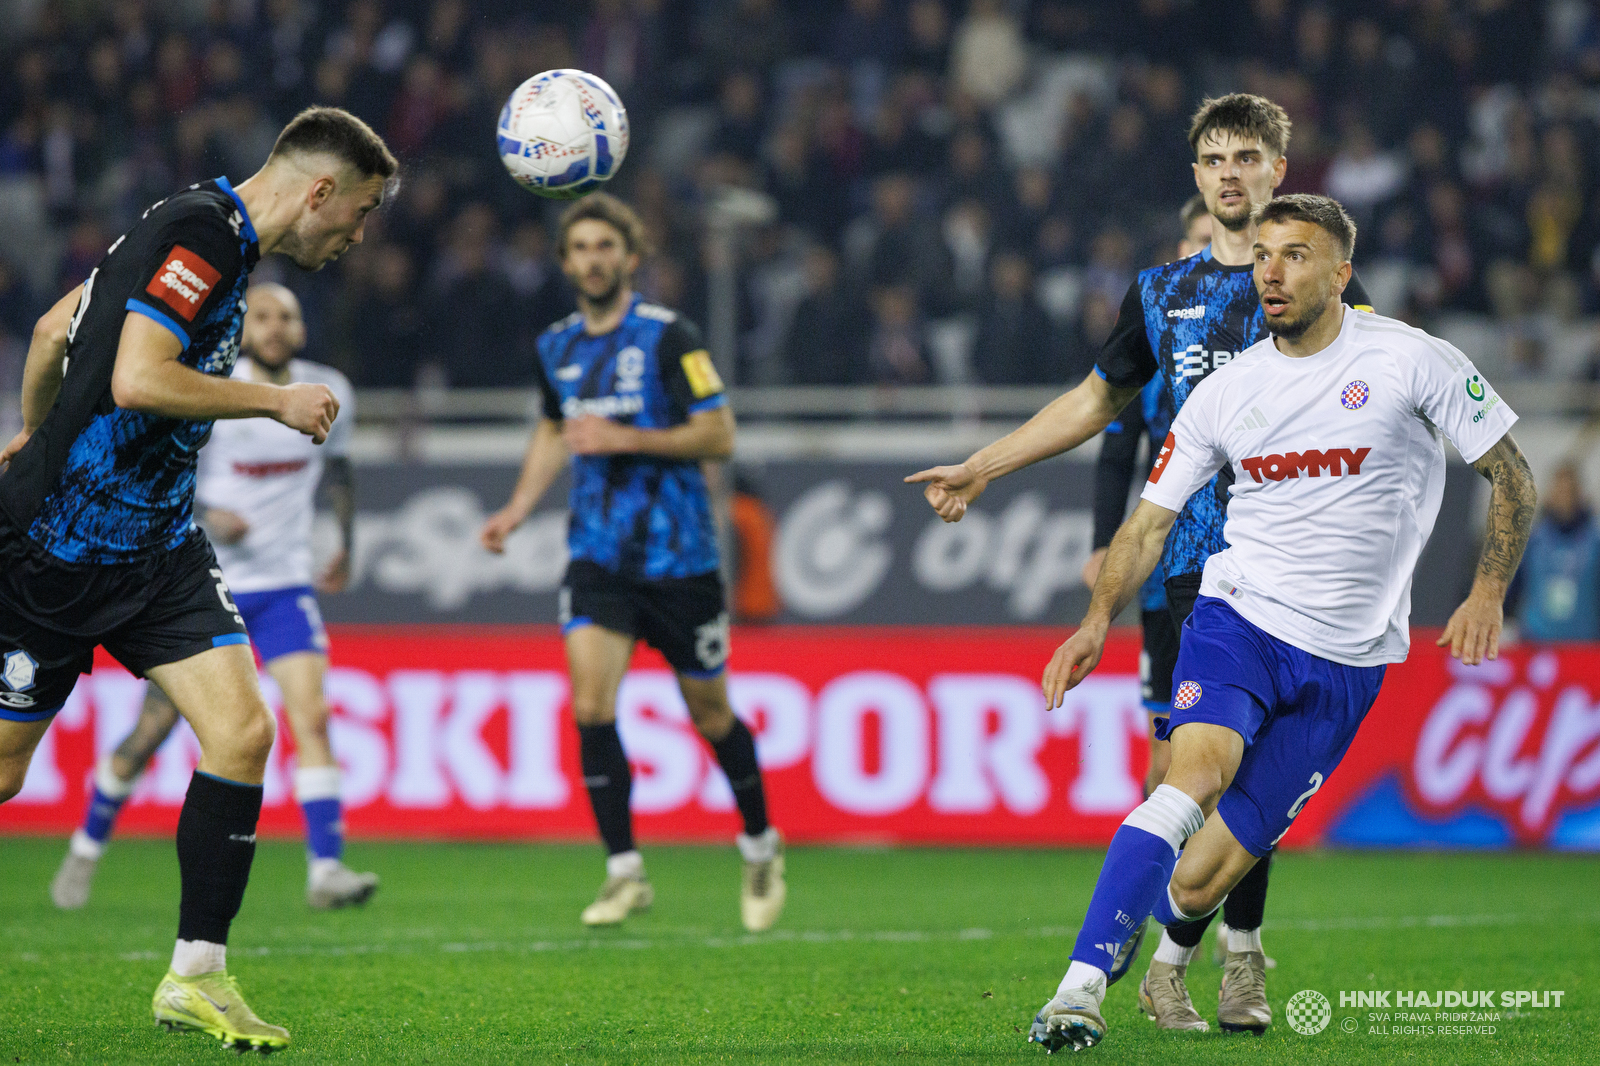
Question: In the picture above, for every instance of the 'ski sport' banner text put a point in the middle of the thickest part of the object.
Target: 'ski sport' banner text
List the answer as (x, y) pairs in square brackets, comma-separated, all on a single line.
[(920, 735)]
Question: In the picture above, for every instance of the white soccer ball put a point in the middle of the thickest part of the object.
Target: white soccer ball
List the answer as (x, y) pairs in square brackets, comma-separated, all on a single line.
[(563, 133)]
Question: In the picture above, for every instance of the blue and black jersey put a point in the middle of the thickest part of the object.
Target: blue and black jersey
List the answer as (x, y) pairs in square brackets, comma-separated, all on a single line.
[(642, 516), (100, 484), (1178, 323)]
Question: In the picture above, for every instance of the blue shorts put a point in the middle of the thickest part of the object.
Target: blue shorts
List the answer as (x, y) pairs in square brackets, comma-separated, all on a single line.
[(1297, 714), (283, 621)]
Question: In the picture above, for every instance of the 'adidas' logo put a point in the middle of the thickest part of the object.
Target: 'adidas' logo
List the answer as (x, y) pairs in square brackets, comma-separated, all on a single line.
[(1254, 420)]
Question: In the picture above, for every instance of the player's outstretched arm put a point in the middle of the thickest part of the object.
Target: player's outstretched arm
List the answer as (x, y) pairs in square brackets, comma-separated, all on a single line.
[(1133, 554), (147, 377), (1473, 633), (1063, 424), (705, 435), (541, 464), (44, 369)]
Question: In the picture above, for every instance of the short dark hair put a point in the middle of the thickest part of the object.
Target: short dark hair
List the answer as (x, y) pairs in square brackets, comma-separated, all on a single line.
[(1245, 114), (1193, 208), (605, 208), (1319, 211), (336, 132)]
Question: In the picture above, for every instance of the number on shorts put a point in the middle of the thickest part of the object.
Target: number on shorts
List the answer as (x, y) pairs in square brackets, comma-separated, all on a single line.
[(313, 613), (1316, 783), (226, 597)]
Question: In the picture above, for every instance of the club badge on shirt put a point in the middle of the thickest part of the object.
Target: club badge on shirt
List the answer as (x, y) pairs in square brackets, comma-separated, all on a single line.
[(183, 282)]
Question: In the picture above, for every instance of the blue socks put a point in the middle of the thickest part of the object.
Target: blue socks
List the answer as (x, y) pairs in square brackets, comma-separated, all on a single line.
[(1133, 881), (110, 793), (316, 789)]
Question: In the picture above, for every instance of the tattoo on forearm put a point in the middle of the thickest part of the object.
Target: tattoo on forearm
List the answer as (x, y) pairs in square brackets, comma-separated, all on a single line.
[(1512, 509)]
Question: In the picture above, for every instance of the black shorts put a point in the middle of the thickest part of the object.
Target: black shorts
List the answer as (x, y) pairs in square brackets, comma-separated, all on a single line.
[(1158, 659), (684, 618), (146, 613)]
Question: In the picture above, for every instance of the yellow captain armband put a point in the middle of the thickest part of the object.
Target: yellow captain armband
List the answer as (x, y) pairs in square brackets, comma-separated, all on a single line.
[(702, 374)]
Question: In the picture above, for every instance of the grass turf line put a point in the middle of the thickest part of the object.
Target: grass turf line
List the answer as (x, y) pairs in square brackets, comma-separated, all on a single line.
[(473, 953)]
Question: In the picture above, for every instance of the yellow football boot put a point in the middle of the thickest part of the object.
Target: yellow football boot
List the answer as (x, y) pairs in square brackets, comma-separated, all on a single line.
[(212, 1003)]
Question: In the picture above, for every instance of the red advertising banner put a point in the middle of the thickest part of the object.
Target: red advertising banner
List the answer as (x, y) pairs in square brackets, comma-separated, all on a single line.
[(924, 735)]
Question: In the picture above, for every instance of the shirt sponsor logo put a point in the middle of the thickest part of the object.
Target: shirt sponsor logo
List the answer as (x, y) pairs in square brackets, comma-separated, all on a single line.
[(1336, 461), (604, 406), (1486, 408), (1197, 311), (1475, 387), (702, 374), (288, 466), (183, 281), (1354, 396), (1194, 361), (1163, 457)]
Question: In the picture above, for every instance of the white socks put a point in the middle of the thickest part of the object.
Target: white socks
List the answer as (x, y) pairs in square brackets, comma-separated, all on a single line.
[(1244, 939), (1081, 977), (313, 783), (191, 958), (1169, 814), (84, 847), (1172, 953), (763, 848), (110, 785), (625, 864)]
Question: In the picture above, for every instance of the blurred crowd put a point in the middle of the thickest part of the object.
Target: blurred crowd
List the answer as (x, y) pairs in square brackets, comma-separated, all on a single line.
[(958, 190)]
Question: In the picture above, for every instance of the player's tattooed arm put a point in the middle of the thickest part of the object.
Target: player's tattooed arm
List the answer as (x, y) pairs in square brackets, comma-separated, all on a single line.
[(339, 487), (1134, 552), (1473, 633)]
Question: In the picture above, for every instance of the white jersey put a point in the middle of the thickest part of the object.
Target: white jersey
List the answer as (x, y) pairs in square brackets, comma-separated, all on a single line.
[(1338, 472), (268, 473)]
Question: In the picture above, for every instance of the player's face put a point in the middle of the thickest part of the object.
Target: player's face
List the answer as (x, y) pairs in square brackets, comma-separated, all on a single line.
[(597, 260), (1299, 271), (337, 218), (273, 329), (1197, 237), (1236, 175)]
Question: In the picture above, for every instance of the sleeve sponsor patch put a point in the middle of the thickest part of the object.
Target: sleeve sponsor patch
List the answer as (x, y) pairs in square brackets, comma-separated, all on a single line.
[(1162, 458), (183, 282), (702, 375)]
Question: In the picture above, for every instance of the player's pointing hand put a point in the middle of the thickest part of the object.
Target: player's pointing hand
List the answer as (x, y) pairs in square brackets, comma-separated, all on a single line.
[(310, 408), (949, 489)]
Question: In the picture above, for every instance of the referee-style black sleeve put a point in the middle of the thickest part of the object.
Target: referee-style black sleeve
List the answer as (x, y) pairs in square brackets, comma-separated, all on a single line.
[(1127, 360), (1355, 293), (1114, 472)]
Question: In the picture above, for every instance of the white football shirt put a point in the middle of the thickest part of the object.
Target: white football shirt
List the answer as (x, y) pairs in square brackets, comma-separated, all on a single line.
[(1338, 472), (268, 473)]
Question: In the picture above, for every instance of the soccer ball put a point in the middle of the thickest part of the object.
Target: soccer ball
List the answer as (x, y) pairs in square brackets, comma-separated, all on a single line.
[(563, 133)]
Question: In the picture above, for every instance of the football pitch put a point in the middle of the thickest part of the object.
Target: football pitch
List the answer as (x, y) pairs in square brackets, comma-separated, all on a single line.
[(473, 953)]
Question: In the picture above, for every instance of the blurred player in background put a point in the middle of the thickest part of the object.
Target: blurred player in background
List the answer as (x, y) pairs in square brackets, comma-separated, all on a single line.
[(631, 396), (256, 497), (98, 544), (1178, 323), (1300, 614)]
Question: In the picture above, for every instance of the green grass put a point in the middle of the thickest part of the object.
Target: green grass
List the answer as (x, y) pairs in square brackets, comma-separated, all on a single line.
[(473, 953)]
